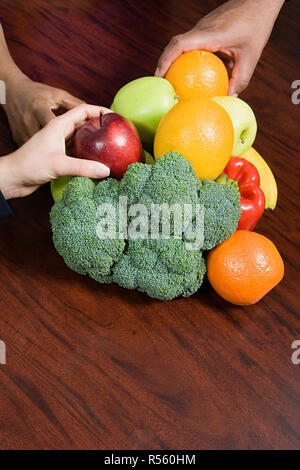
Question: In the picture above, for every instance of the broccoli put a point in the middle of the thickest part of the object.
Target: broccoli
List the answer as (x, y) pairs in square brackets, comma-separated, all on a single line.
[(73, 220), (164, 268), (222, 211)]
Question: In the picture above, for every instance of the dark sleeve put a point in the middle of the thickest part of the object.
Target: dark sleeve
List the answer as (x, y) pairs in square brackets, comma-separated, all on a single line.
[(5, 210)]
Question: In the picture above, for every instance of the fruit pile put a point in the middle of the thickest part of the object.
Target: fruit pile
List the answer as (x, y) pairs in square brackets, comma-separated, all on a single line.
[(189, 112)]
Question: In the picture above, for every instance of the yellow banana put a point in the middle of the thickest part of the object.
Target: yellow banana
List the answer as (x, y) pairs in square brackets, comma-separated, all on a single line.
[(267, 179)]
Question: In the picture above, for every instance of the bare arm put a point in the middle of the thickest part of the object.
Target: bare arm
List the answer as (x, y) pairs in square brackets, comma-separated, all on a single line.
[(7, 66), (29, 105)]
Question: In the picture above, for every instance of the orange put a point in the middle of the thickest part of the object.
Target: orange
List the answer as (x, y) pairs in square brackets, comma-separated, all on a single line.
[(202, 131), (244, 268), (198, 73)]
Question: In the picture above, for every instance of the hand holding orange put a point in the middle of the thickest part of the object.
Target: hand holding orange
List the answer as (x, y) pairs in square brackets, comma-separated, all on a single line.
[(199, 74)]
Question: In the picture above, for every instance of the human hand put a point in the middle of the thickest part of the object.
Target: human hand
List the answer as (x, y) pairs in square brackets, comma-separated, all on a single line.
[(43, 158), (30, 105), (239, 30)]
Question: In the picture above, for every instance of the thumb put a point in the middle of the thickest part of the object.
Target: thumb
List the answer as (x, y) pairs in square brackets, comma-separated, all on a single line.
[(241, 75), (183, 43), (69, 166)]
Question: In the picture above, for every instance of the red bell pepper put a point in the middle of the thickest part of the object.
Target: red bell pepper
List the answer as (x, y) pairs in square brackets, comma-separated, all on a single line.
[(252, 197)]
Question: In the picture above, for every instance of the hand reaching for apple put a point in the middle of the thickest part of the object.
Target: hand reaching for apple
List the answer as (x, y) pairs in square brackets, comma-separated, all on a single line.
[(30, 105), (43, 158), (110, 139), (239, 30)]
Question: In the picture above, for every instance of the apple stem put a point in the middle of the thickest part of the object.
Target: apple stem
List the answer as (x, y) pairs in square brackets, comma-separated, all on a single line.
[(100, 117)]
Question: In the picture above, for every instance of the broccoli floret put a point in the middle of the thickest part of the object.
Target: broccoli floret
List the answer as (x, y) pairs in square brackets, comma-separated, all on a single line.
[(164, 268), (74, 221), (222, 211), (171, 180)]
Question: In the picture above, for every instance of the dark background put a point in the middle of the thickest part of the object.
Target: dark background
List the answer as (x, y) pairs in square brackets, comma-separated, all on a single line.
[(93, 366)]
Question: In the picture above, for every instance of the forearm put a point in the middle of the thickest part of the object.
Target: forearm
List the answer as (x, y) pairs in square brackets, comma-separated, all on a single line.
[(7, 175), (267, 8), (8, 68), (7, 190), (235, 9), (274, 5), (10, 73)]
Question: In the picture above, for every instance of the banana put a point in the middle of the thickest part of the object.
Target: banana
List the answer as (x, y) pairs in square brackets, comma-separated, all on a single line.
[(267, 180)]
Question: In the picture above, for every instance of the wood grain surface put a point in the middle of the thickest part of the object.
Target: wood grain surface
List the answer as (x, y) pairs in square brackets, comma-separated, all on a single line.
[(91, 366)]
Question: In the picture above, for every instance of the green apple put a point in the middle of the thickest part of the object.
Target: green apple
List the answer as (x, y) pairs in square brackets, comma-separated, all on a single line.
[(58, 186), (243, 120), (144, 102)]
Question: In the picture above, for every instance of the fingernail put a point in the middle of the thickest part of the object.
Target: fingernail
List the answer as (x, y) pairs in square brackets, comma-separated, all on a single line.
[(235, 95), (157, 71), (103, 171)]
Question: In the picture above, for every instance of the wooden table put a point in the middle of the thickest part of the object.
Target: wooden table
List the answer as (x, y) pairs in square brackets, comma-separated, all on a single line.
[(93, 366)]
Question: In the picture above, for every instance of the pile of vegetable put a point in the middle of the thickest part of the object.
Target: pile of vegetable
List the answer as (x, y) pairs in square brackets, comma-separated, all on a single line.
[(162, 268), (203, 158)]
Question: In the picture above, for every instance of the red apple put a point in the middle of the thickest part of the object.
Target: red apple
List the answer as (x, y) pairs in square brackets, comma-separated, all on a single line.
[(110, 139)]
